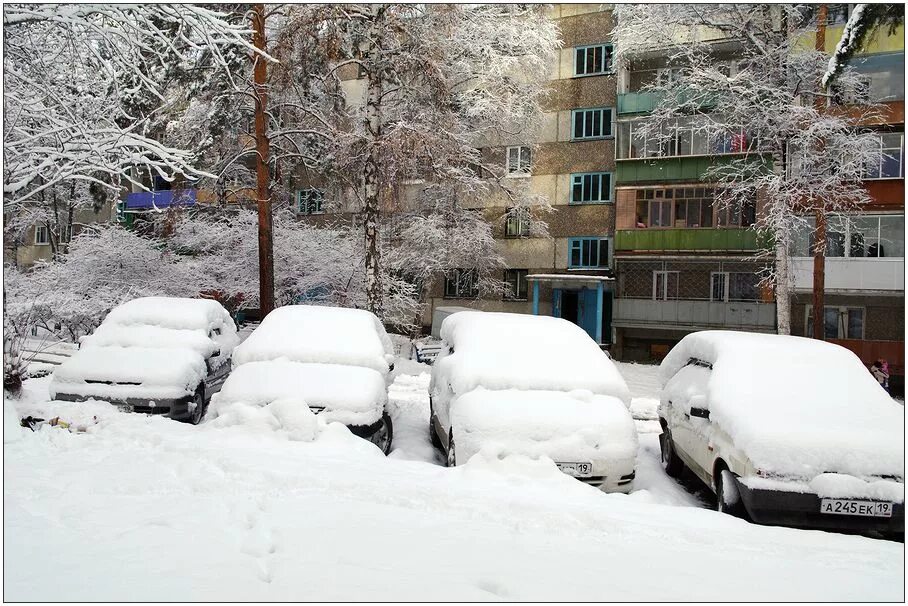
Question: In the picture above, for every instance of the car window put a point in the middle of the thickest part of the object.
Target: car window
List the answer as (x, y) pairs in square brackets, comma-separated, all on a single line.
[(690, 381)]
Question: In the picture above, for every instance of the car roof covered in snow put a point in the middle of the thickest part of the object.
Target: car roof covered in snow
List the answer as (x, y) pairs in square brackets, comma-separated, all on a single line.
[(519, 351), (795, 405), (319, 334), (171, 312)]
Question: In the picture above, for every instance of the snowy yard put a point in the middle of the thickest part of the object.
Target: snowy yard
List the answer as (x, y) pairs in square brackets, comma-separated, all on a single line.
[(144, 508)]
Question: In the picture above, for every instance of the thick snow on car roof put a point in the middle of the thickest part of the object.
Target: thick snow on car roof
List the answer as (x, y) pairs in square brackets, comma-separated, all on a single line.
[(796, 406), (328, 335), (349, 394), (518, 351), (144, 335), (171, 312)]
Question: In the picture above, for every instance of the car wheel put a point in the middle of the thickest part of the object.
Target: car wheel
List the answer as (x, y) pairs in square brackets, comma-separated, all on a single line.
[(452, 458), (382, 436), (671, 462), (728, 499), (198, 406)]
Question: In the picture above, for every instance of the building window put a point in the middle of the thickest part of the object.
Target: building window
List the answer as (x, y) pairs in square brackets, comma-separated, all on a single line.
[(591, 123), (685, 138), (462, 284), (517, 223), (42, 235), (864, 236), (838, 322), (891, 165), (686, 207), (518, 161), (66, 234), (592, 60), (310, 201), (665, 285), (591, 188), (733, 286), (587, 253), (516, 280)]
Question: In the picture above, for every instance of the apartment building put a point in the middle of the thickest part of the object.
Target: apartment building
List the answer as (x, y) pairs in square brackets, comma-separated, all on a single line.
[(683, 262), (865, 252), (572, 163), (39, 242)]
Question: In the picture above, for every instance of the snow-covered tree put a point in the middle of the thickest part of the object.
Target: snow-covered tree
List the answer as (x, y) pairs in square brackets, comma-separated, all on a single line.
[(864, 19), (437, 81), (81, 82), (799, 154)]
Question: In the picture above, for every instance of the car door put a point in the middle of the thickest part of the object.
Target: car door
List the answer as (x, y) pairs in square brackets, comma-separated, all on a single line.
[(216, 376), (689, 384)]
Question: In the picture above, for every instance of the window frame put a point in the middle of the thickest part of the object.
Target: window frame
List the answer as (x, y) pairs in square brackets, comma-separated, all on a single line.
[(610, 199), (610, 69), (842, 327), (602, 121), (604, 243), (522, 217), (66, 234), (458, 293), (519, 172), (520, 278), (320, 205), (879, 169), (662, 275), (42, 229), (847, 220)]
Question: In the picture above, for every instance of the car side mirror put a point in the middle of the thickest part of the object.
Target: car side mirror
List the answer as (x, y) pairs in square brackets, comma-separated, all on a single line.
[(391, 367), (698, 407), (699, 412)]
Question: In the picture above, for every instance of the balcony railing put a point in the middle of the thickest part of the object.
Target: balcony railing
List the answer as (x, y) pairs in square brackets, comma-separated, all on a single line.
[(638, 103), (697, 315), (160, 199), (690, 239), (852, 273)]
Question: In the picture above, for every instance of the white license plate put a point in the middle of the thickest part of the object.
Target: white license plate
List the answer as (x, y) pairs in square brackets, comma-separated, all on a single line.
[(870, 509), (578, 470)]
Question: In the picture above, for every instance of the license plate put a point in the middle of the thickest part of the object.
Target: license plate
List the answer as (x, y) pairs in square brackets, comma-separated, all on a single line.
[(870, 509), (578, 470), (125, 407)]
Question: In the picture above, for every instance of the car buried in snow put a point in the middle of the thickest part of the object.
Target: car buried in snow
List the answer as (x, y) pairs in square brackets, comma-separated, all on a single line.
[(534, 386), (335, 360), (784, 430), (154, 355)]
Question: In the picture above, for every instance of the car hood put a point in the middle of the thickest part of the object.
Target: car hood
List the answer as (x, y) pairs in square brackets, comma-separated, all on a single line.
[(130, 372)]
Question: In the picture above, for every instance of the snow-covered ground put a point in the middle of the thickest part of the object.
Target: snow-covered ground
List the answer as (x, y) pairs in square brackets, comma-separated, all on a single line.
[(144, 508)]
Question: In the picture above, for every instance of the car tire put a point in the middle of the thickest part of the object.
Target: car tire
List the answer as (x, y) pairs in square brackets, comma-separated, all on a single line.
[(728, 499), (451, 459), (384, 435), (198, 412), (671, 462)]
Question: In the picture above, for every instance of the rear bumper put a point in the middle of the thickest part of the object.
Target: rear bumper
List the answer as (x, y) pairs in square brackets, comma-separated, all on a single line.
[(802, 510), (175, 409)]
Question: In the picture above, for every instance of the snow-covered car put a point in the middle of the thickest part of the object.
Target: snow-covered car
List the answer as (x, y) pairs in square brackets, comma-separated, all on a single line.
[(535, 386), (154, 355), (334, 359), (785, 430)]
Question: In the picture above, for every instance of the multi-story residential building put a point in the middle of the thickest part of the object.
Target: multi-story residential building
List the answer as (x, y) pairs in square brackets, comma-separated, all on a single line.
[(683, 263), (571, 162), (40, 241), (865, 252)]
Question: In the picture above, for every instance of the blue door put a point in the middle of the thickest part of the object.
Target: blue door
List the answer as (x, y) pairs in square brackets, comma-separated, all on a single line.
[(587, 313)]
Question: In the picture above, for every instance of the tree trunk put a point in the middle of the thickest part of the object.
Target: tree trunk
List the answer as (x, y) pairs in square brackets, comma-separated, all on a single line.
[(266, 246), (783, 286), (819, 247), (371, 202)]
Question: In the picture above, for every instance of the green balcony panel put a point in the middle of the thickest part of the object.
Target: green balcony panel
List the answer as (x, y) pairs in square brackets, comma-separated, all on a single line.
[(639, 103), (666, 170), (693, 239)]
